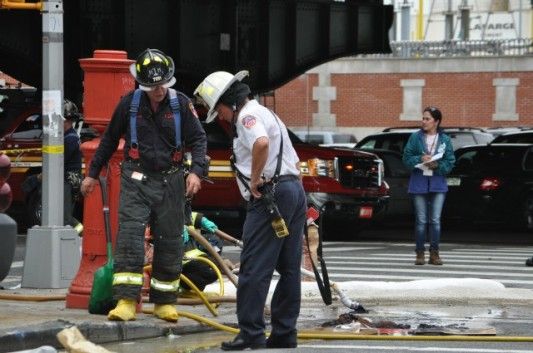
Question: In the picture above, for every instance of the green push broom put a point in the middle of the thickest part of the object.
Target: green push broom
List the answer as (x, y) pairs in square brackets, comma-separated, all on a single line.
[(101, 300)]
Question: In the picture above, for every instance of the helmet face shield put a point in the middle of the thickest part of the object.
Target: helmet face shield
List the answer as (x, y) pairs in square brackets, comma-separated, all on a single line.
[(213, 87), (153, 68)]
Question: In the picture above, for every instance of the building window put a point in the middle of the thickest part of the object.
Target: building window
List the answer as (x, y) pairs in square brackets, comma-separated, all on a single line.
[(412, 99), (505, 104)]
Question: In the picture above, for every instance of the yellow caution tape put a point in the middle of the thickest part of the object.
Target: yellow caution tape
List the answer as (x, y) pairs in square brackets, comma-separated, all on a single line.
[(20, 150), (53, 149)]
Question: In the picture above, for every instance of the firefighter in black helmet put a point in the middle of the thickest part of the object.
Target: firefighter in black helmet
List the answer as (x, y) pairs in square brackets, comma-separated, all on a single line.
[(156, 122)]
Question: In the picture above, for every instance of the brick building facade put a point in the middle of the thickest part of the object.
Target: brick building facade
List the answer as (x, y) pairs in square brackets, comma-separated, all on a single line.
[(363, 96)]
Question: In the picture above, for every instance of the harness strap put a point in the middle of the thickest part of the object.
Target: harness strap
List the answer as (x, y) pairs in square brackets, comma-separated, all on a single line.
[(134, 109)]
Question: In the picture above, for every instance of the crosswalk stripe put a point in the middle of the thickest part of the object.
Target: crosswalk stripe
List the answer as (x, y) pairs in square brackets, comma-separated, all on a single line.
[(375, 277), (448, 255), (403, 348), (440, 271), (410, 264)]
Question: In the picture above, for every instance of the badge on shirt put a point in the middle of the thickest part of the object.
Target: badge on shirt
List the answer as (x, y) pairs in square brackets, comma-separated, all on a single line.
[(248, 121), (193, 111)]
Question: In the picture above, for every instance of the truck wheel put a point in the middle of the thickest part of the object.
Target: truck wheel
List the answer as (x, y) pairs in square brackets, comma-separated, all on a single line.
[(34, 208)]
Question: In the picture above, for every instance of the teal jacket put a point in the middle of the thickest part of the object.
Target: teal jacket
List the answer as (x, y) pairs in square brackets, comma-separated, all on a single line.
[(412, 155)]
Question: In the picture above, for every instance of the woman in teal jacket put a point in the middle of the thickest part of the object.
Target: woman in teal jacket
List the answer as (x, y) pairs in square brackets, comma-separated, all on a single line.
[(429, 155)]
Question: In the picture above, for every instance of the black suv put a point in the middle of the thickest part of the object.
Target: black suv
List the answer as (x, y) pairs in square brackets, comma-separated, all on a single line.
[(394, 139), (493, 185), (524, 136)]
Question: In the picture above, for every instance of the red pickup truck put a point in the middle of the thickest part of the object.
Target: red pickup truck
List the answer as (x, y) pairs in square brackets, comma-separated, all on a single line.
[(347, 185)]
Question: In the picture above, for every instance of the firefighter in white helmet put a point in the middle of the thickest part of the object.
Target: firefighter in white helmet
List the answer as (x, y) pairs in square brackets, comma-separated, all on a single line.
[(268, 175)]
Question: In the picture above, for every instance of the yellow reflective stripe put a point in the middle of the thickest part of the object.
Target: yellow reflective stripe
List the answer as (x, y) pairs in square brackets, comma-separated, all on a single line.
[(135, 279), (194, 253), (165, 286), (53, 149), (193, 217)]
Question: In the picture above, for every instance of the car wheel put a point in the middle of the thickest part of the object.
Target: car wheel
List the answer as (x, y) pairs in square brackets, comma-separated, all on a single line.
[(34, 208)]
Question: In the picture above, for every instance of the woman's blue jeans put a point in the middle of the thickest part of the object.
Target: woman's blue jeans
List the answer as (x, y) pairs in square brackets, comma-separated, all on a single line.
[(428, 208)]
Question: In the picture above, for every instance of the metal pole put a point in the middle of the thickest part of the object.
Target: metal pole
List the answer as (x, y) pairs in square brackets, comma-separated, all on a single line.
[(449, 22), (406, 21), (52, 250), (520, 19), (53, 150), (465, 20)]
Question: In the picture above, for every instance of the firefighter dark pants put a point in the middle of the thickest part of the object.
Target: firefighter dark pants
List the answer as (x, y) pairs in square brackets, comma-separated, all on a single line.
[(262, 253), (157, 200), (200, 273)]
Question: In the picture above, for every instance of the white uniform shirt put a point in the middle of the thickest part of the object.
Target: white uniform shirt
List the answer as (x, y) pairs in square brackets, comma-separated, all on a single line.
[(255, 121)]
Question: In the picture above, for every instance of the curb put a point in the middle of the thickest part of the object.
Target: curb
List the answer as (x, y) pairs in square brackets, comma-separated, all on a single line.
[(34, 336)]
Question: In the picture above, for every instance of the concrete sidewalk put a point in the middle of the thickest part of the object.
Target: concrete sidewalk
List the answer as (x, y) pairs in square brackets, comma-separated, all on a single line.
[(30, 324)]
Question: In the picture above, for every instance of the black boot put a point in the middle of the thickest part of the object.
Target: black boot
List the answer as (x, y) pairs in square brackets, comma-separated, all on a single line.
[(529, 262), (239, 344)]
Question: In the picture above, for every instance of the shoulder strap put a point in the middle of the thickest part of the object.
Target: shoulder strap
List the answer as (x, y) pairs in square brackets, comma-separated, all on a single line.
[(134, 108), (175, 105)]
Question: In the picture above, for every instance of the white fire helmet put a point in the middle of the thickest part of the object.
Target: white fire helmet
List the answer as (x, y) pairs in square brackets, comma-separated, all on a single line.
[(214, 86)]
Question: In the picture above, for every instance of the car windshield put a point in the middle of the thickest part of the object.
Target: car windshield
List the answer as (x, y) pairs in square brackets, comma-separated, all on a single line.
[(487, 160), (515, 138)]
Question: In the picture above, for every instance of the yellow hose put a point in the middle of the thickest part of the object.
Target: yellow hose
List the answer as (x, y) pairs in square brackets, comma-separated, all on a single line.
[(32, 298), (200, 294), (217, 271)]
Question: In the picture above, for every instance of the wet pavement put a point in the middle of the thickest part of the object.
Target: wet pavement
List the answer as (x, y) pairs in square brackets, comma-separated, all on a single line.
[(509, 311)]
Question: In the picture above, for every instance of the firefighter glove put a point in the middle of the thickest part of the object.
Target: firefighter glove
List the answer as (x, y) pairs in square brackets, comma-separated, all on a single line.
[(208, 225)]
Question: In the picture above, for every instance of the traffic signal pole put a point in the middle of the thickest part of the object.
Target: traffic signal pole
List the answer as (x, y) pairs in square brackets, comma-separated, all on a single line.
[(52, 250)]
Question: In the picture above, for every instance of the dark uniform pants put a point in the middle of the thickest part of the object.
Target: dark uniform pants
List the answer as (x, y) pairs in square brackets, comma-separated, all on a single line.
[(262, 253), (158, 200)]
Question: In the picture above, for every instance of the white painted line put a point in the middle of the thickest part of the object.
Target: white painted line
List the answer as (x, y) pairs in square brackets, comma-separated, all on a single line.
[(17, 264), (352, 249), (394, 264), (443, 254), (441, 270), (410, 259), (410, 278), (412, 349)]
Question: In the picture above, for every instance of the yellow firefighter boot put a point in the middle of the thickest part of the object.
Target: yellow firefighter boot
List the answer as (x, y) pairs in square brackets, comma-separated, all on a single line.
[(166, 312), (124, 311)]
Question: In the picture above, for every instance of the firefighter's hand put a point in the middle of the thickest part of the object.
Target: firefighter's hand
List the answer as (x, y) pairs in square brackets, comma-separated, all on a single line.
[(208, 225), (87, 185), (254, 185), (194, 184)]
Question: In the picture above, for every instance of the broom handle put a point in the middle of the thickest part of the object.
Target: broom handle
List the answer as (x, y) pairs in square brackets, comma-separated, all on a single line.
[(105, 204)]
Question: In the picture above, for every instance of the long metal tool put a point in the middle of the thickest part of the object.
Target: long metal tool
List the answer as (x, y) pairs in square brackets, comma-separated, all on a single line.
[(351, 304)]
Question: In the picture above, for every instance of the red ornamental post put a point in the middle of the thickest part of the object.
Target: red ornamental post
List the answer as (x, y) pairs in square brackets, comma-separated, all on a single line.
[(106, 80)]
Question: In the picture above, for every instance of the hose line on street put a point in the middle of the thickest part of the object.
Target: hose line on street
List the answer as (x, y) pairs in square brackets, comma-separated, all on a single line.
[(315, 334)]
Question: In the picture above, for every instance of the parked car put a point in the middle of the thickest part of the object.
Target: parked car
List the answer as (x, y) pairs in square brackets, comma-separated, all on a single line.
[(327, 138), (492, 184), (394, 139), (524, 136), (346, 184)]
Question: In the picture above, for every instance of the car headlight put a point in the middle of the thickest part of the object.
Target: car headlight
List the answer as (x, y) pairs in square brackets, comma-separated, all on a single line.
[(318, 167)]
